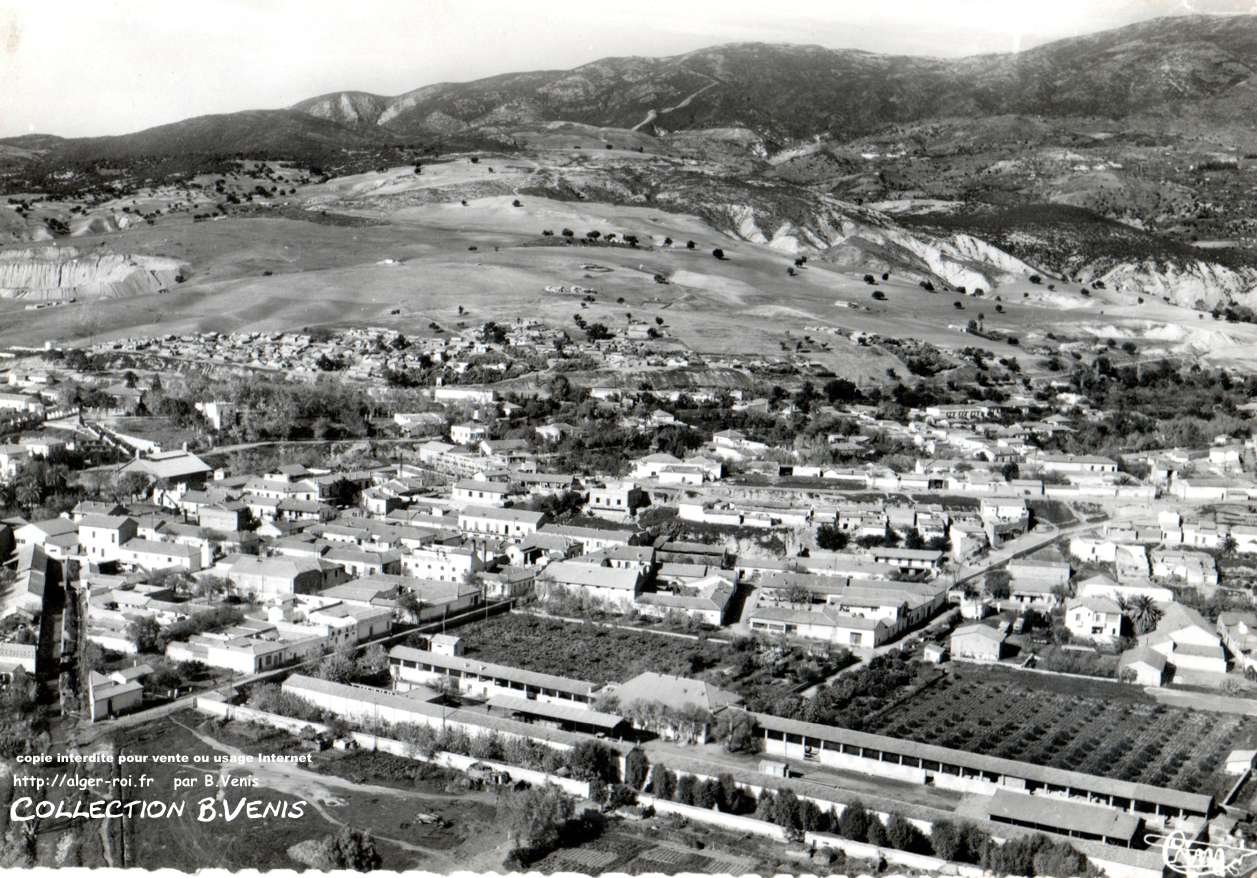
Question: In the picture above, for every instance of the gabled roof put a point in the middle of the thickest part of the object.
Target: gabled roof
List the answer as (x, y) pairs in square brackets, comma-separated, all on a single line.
[(476, 485), (550, 710), (980, 630), (581, 534), (107, 522), (676, 693), (516, 515), (660, 457), (1063, 815), (824, 616), (275, 565), (54, 527), (593, 575), (153, 547), (1142, 655), (169, 465), (1099, 605)]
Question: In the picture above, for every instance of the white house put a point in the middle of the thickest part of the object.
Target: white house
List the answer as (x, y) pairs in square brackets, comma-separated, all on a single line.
[(615, 498), (512, 524), (977, 642), (1187, 641), (472, 491), (1142, 666), (101, 537), (1096, 619), (468, 433), (612, 586)]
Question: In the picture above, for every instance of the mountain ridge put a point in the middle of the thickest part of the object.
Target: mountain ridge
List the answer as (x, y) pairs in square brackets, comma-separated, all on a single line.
[(784, 92)]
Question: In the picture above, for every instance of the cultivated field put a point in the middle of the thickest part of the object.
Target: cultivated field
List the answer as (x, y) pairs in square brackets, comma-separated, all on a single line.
[(587, 652), (1096, 733)]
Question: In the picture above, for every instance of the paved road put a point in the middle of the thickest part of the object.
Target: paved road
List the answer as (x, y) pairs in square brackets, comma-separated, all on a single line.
[(1022, 546), (1203, 701)]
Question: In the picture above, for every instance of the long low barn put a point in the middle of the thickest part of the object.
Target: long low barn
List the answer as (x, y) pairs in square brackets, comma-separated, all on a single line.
[(568, 717), (1064, 817), (969, 772), (410, 665), (354, 701)]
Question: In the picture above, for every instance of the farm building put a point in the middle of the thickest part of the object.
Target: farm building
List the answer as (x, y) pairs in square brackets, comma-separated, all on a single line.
[(411, 666), (357, 702), (963, 771), (1064, 817), (1188, 641), (676, 708), (1142, 666), (113, 694), (568, 717), (977, 642)]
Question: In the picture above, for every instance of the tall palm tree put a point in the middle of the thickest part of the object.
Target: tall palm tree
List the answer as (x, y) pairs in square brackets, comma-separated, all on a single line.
[(1143, 613), (408, 602)]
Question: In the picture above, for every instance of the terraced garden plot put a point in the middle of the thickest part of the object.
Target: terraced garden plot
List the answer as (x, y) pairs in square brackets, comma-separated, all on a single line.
[(586, 652), (1132, 740), (590, 861), (607, 853)]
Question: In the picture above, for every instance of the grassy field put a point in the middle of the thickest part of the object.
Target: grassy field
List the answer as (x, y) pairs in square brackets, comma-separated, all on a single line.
[(416, 257), (1074, 726), (382, 799), (587, 652), (663, 846)]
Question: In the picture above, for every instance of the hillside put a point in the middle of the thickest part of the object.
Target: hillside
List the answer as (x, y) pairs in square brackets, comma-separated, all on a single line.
[(789, 92), (1121, 162), (1190, 66), (271, 132)]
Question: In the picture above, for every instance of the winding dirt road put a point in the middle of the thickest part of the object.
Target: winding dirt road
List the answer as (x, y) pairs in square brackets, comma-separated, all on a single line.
[(317, 789)]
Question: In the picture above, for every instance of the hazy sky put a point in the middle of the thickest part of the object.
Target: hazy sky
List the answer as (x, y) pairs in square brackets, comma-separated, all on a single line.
[(84, 67)]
